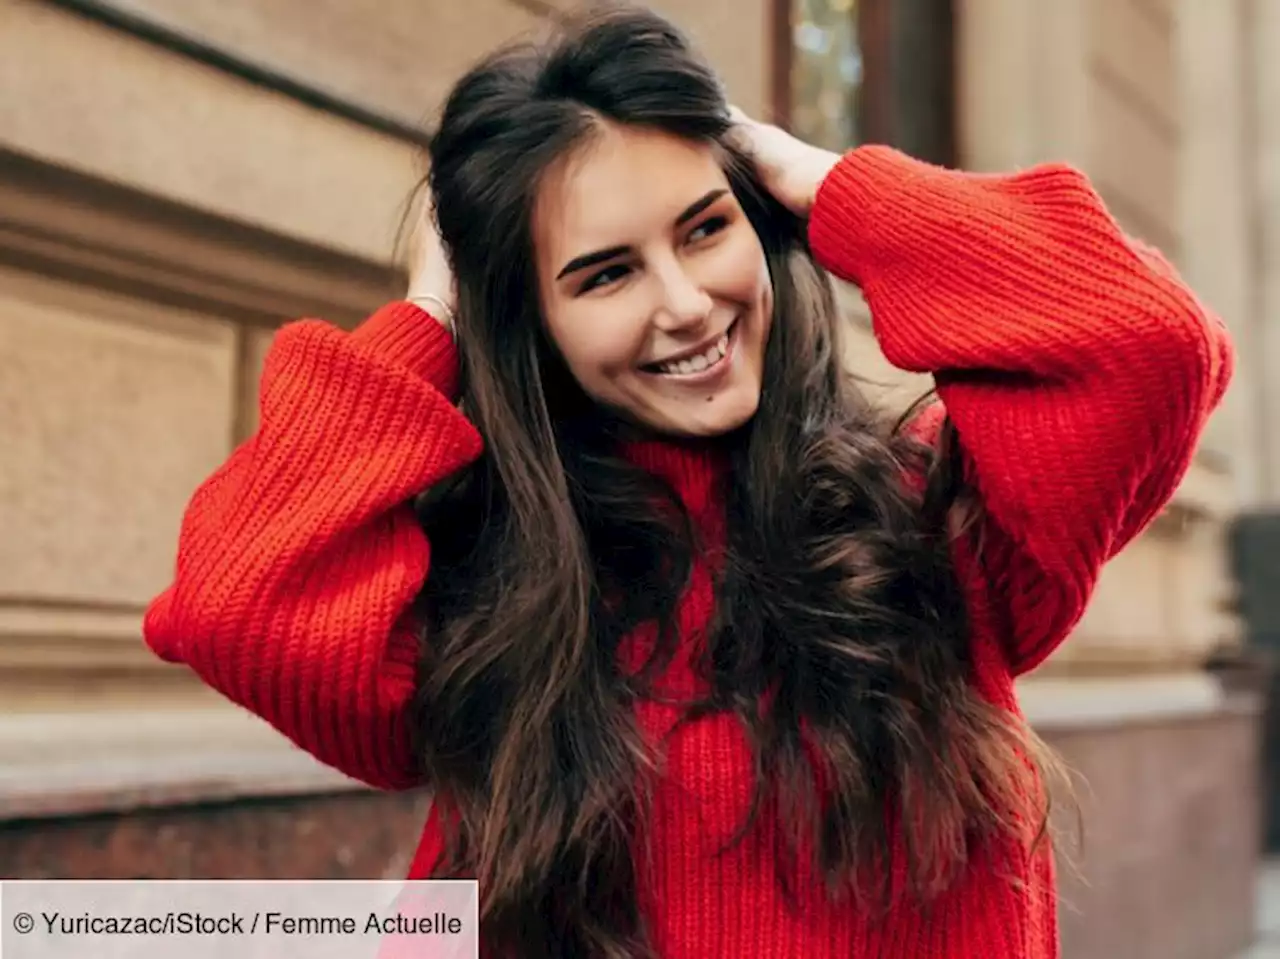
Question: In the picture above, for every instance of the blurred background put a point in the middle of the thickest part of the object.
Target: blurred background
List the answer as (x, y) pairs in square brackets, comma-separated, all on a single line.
[(178, 177)]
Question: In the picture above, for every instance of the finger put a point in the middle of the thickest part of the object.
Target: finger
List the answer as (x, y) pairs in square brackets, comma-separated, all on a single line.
[(741, 134)]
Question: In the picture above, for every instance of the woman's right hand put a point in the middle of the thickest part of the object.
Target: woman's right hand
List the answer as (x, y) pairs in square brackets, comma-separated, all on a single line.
[(431, 281)]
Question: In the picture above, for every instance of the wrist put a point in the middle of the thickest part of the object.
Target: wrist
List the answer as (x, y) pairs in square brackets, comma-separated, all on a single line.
[(439, 307), (823, 162)]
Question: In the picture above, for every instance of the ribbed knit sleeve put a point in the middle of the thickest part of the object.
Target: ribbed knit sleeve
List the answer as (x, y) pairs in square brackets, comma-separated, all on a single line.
[(300, 555), (1078, 370)]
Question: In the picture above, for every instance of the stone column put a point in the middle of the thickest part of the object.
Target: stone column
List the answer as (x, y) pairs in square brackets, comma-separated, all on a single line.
[(1216, 197), (1021, 84), (1264, 399)]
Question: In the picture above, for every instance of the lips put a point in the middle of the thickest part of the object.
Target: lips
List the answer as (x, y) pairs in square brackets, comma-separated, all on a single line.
[(692, 365)]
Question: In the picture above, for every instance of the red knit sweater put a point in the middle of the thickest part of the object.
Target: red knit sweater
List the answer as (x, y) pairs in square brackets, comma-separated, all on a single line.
[(1079, 373)]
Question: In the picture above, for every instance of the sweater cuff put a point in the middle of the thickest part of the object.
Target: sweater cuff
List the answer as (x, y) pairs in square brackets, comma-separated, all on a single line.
[(410, 337), (844, 220)]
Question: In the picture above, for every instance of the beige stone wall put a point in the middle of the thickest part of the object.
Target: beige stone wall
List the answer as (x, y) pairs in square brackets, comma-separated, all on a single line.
[(97, 101), (115, 107), (114, 409), (1146, 96), (1136, 130), (398, 57), (159, 218), (1262, 41), (1216, 202), (116, 402), (394, 57)]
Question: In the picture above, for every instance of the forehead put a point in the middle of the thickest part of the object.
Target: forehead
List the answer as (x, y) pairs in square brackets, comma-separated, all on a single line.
[(623, 186)]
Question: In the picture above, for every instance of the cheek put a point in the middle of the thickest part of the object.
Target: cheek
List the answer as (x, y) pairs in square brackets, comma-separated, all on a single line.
[(744, 271), (597, 342)]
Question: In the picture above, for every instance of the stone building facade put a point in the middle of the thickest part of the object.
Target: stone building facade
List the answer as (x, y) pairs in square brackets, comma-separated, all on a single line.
[(178, 179)]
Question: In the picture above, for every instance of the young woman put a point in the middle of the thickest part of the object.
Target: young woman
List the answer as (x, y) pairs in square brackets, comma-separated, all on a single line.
[(594, 536)]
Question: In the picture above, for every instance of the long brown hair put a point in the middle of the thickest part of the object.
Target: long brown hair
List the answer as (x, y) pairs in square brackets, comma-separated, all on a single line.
[(837, 609)]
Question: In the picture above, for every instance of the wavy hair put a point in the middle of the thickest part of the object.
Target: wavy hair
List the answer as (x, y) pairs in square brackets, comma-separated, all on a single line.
[(840, 639)]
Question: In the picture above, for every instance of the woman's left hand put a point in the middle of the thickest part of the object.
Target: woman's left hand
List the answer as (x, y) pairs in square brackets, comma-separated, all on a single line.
[(790, 169)]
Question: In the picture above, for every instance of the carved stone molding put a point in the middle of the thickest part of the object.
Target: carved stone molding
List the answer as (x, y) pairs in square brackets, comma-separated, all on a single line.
[(123, 285), (67, 225), (65, 763)]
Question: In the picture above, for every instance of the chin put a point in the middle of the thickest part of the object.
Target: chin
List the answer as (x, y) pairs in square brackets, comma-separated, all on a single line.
[(703, 420)]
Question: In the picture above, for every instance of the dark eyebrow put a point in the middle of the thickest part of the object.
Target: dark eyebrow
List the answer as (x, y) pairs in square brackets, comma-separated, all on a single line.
[(613, 252), (697, 206), (591, 259)]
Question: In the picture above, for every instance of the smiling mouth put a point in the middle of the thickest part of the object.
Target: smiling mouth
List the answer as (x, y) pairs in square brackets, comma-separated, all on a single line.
[(709, 358)]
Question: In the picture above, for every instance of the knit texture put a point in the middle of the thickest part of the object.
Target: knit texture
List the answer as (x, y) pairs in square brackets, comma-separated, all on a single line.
[(1078, 370)]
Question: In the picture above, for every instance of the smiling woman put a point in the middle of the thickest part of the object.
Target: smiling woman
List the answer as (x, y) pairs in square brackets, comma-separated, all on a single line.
[(700, 653)]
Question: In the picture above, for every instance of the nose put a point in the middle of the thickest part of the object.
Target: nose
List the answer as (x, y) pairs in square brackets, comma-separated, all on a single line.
[(684, 302)]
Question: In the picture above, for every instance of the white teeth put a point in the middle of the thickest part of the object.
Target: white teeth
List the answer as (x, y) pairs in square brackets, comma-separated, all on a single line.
[(696, 364)]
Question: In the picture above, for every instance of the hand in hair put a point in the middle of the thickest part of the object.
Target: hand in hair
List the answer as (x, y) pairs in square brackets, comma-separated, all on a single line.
[(791, 169), (431, 280)]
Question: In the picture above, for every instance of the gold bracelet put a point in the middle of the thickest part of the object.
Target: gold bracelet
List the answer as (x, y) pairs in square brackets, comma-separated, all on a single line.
[(444, 307)]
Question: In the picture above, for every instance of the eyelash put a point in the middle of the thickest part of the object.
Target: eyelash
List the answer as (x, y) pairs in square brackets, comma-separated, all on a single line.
[(715, 224), (712, 225), (595, 280)]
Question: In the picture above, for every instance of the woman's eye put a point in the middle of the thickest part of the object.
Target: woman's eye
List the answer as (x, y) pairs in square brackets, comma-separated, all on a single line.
[(604, 277), (707, 228)]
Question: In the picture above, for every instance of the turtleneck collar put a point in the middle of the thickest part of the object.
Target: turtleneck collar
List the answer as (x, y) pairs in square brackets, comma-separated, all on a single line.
[(695, 469)]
